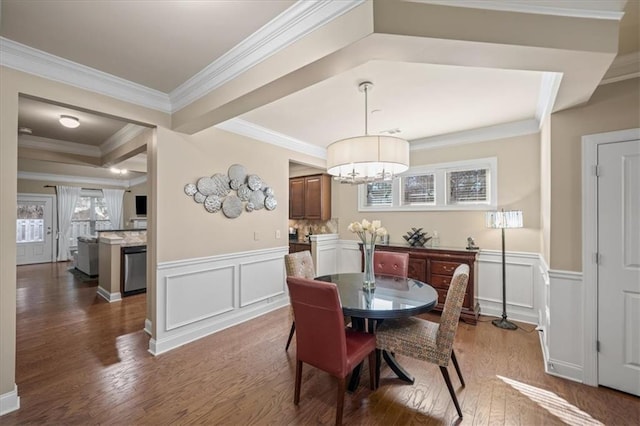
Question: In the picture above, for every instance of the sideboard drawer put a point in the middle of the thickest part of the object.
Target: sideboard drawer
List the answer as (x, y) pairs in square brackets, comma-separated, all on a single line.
[(443, 268), (440, 281)]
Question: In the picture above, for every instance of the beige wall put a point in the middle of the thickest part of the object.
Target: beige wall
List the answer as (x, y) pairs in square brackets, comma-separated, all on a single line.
[(129, 203), (185, 229), (13, 83), (518, 188), (614, 106)]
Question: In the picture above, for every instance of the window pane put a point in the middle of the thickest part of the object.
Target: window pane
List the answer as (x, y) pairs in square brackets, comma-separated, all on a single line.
[(418, 189), (101, 209), (83, 209), (467, 186), (30, 223), (379, 194)]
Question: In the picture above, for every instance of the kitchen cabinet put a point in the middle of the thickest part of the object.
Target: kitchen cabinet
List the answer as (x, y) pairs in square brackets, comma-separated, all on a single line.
[(435, 266), (310, 197)]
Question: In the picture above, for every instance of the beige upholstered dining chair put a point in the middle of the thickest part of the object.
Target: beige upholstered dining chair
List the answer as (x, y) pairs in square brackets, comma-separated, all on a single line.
[(299, 265), (426, 340)]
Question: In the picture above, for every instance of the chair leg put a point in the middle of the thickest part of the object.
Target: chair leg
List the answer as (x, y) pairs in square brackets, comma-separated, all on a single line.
[(455, 364), (378, 366), (445, 374), (296, 394), (342, 387), (293, 329), (373, 365)]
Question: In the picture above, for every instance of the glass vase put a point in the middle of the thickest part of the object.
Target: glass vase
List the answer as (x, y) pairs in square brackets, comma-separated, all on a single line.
[(369, 281)]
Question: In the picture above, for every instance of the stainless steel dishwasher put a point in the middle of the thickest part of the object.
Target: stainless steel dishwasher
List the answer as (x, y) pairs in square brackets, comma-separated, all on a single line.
[(134, 270)]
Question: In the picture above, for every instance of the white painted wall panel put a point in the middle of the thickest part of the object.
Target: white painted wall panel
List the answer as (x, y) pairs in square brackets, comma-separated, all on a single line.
[(261, 280), (194, 296)]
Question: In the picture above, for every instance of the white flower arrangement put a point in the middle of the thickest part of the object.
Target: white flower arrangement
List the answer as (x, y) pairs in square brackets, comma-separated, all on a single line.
[(368, 231)]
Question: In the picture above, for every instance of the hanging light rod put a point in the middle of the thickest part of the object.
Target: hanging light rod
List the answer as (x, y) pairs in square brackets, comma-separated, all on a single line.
[(367, 158)]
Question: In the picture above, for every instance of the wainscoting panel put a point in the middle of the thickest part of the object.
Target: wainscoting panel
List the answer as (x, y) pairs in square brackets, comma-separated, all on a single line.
[(261, 280), (325, 253), (349, 257), (565, 328), (198, 297), (523, 280)]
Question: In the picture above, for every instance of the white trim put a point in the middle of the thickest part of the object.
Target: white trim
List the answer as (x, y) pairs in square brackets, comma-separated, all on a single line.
[(246, 128), (499, 131), (538, 7), (549, 86), (624, 67), (9, 401), (217, 258), (137, 180), (293, 24), (566, 370), (147, 326), (122, 136), (590, 243), (109, 297), (55, 145), (77, 179), (42, 64)]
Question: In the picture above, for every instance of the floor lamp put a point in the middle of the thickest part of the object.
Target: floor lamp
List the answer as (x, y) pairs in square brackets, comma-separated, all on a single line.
[(502, 220)]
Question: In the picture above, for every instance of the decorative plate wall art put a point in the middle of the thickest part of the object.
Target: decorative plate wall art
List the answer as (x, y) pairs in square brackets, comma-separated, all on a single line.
[(232, 192)]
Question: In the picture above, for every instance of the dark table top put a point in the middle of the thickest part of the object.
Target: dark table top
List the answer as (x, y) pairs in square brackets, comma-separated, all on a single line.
[(393, 297)]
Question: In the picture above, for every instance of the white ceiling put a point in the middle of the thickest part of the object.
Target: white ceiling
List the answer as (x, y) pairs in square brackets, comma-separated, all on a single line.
[(162, 45)]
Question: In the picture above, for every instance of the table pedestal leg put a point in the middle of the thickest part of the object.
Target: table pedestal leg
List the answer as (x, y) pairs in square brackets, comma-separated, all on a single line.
[(400, 372)]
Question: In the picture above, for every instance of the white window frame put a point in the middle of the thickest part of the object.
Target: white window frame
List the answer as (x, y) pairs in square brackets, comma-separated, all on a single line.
[(441, 187)]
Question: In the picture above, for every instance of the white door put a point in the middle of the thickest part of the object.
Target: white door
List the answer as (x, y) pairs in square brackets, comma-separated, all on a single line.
[(34, 229), (619, 265)]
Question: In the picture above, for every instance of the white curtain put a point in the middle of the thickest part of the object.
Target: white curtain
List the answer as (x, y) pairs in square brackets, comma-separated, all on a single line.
[(67, 198), (113, 199)]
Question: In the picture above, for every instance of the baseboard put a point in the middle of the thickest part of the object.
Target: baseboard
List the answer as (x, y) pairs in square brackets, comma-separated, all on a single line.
[(157, 347), (147, 326), (487, 308), (109, 297), (9, 401), (564, 370)]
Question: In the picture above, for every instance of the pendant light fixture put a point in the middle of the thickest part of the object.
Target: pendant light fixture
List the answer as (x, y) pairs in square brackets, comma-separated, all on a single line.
[(367, 158)]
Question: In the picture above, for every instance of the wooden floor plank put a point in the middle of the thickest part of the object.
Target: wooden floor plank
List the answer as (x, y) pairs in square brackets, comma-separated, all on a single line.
[(81, 360)]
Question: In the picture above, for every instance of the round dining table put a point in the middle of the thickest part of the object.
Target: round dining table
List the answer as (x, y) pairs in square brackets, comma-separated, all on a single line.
[(392, 297)]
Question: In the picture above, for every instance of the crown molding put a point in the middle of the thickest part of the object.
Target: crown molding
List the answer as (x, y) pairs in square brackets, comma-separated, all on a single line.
[(55, 145), (623, 67), (122, 136), (138, 180), (588, 10), (500, 131), (549, 86), (246, 128), (76, 179), (33, 61), (297, 21)]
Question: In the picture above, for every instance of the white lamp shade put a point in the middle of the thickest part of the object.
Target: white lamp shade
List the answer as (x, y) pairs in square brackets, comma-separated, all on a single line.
[(502, 219), (368, 156)]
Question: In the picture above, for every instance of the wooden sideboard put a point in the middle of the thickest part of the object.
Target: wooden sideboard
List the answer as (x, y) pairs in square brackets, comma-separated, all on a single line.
[(435, 266)]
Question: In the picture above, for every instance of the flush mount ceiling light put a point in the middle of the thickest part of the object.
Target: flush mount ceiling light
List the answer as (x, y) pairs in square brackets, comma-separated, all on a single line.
[(69, 121), (367, 158), (118, 171)]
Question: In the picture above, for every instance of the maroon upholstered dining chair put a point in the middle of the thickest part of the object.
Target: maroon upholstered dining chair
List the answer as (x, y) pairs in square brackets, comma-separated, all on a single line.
[(299, 264), (391, 263), (321, 338)]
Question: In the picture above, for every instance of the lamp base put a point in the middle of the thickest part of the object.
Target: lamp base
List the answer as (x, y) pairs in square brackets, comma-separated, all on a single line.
[(503, 323)]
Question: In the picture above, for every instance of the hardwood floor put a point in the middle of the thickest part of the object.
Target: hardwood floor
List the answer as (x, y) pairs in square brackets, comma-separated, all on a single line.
[(81, 360)]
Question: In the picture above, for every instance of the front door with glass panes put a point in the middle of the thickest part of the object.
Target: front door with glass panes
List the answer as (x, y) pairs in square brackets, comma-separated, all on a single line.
[(34, 229)]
